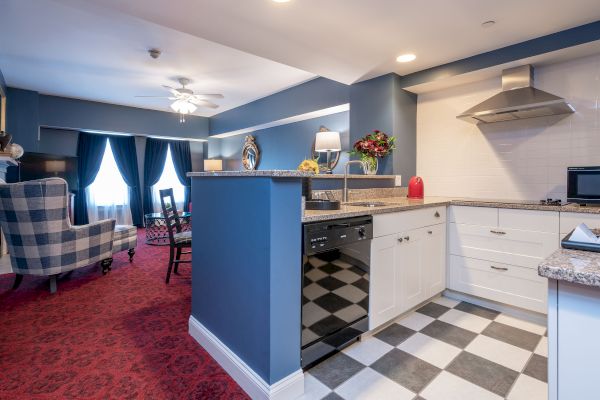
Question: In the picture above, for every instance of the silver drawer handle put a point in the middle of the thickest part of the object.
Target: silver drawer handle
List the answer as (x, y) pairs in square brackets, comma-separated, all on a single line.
[(430, 232), (437, 214), (498, 232), (499, 268)]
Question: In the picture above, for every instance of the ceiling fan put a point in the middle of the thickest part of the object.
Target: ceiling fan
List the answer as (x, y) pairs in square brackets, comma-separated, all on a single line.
[(185, 101)]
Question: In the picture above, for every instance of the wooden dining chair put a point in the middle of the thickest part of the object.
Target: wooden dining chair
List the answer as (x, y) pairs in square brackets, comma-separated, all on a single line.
[(178, 239)]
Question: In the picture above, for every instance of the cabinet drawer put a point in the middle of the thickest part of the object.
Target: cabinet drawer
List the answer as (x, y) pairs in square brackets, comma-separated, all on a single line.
[(569, 220), (517, 286), (474, 215), (528, 220), (510, 246), (387, 224)]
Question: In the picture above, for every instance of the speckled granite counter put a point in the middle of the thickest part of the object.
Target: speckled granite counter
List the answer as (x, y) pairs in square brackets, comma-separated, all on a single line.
[(575, 266), (395, 204), (274, 173)]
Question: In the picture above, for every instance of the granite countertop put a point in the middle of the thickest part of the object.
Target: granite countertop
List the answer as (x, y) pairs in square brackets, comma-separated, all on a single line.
[(575, 266), (393, 204), (275, 173)]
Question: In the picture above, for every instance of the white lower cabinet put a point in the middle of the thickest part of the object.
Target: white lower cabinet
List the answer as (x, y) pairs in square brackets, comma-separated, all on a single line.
[(407, 268)]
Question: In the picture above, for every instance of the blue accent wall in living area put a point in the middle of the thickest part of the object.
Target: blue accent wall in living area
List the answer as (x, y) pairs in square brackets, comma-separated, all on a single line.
[(246, 275), (285, 146), (313, 95), (22, 115), (61, 112)]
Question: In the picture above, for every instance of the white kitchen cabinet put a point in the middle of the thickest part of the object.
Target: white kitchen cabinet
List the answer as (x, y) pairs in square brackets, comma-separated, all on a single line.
[(411, 269), (510, 246), (498, 261), (384, 294), (435, 259), (407, 267), (569, 220)]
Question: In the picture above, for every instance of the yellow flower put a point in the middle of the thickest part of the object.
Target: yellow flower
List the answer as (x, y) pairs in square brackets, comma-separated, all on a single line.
[(309, 166)]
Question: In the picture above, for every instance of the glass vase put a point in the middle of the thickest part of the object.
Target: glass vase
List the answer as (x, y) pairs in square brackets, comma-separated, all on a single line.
[(370, 165)]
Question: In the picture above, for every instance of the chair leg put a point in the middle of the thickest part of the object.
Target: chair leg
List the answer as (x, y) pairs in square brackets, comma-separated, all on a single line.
[(106, 263), (53, 283), (18, 280), (177, 257), (170, 264), (131, 253)]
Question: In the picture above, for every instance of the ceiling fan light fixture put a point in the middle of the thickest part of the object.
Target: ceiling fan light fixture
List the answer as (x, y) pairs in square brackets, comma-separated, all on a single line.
[(183, 107), (406, 58)]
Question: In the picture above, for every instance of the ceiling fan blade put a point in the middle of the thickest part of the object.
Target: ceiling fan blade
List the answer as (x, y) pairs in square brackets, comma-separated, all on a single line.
[(174, 91), (203, 103), (209, 96)]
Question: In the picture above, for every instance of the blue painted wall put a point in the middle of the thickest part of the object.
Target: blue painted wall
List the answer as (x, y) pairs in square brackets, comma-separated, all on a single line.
[(283, 147), (62, 112), (246, 276), (310, 96), (2, 82), (22, 116), (382, 104)]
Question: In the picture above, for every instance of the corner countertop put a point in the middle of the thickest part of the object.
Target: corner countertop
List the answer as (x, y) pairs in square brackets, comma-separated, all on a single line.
[(274, 173), (575, 266), (393, 204), (396, 204)]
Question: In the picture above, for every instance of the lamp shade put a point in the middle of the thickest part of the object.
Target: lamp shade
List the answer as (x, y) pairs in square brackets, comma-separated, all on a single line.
[(213, 165), (328, 141)]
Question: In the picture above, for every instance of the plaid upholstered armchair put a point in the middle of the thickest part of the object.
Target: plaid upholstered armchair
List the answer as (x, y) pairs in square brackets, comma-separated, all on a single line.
[(39, 235)]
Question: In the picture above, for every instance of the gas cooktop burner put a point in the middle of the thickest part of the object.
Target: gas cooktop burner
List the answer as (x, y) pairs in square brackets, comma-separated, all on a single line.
[(551, 202)]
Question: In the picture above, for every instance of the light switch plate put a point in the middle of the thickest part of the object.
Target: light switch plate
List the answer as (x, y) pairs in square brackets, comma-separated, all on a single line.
[(398, 180)]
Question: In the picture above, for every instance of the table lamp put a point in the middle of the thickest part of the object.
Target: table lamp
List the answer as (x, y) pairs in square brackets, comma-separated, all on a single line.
[(326, 142), (213, 165)]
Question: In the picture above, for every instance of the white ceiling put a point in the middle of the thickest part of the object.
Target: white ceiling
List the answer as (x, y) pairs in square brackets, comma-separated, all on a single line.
[(352, 40), (248, 49), (100, 55)]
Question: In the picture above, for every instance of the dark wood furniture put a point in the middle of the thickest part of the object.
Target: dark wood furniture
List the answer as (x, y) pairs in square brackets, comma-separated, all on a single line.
[(178, 238), (156, 227)]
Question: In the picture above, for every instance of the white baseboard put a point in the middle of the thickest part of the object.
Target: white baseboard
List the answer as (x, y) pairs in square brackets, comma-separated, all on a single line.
[(516, 312), (290, 387)]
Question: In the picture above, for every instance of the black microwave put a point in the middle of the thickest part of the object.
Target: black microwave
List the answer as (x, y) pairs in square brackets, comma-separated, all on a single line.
[(583, 185)]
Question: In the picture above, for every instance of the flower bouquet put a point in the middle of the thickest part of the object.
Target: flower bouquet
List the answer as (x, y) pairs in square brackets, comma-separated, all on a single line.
[(373, 146)]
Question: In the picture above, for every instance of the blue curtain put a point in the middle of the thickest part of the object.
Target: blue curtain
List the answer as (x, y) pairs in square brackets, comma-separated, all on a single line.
[(90, 149), (123, 148), (180, 151), (155, 157)]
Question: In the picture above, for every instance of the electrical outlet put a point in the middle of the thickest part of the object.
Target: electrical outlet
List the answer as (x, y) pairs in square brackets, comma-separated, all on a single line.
[(398, 180)]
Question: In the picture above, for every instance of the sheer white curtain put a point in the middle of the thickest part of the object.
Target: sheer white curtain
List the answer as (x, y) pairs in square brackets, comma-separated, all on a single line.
[(167, 180), (108, 196)]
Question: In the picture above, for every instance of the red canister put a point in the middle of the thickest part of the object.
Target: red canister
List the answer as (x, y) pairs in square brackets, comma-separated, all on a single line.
[(415, 188)]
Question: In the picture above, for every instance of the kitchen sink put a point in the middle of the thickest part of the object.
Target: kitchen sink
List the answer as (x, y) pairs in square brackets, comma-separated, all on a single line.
[(368, 204)]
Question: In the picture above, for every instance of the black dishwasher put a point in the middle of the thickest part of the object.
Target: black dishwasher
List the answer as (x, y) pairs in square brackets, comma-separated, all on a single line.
[(335, 285)]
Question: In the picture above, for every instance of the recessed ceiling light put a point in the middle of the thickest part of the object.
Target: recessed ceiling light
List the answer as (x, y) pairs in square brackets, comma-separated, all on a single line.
[(488, 24), (281, 1), (406, 58)]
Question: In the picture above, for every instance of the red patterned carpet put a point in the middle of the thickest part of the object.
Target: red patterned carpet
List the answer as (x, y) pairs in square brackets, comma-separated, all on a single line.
[(119, 336)]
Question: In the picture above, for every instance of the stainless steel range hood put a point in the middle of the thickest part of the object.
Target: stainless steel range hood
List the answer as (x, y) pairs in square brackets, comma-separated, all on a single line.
[(518, 100)]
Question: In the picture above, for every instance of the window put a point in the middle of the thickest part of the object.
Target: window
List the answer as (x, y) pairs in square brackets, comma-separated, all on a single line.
[(167, 180), (108, 196)]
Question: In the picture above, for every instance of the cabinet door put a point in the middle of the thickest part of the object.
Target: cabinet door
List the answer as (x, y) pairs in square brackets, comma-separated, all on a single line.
[(410, 269), (434, 258), (383, 300)]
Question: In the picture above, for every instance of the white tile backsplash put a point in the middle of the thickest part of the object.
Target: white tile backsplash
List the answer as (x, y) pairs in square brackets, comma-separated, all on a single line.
[(524, 159)]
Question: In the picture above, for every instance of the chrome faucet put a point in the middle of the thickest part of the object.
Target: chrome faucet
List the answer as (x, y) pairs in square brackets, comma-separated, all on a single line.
[(345, 194)]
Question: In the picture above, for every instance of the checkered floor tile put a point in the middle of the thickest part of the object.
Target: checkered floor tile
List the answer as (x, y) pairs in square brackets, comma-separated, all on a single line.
[(446, 350)]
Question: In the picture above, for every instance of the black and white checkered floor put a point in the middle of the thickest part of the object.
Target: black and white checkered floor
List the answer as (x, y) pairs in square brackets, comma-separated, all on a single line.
[(446, 350)]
